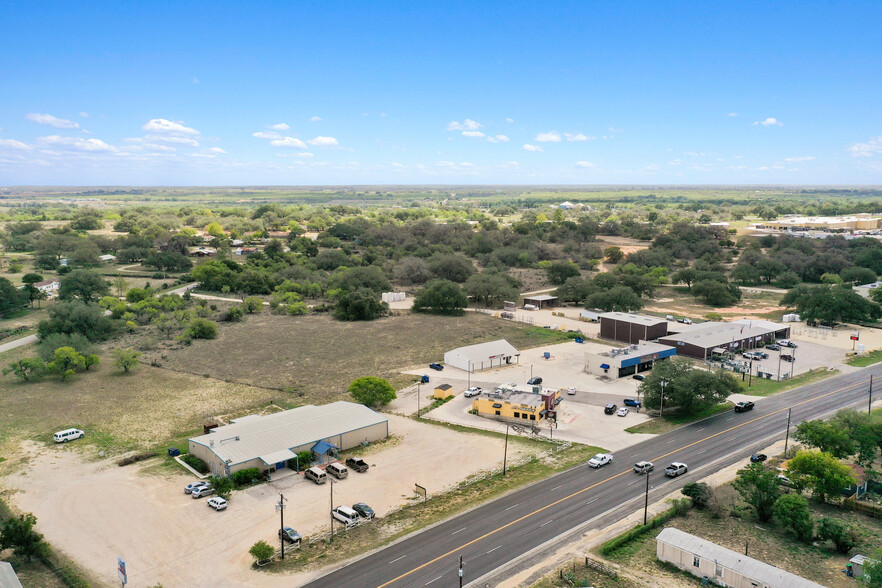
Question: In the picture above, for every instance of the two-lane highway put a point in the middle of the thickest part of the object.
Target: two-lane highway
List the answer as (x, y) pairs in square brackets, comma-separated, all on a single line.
[(494, 534)]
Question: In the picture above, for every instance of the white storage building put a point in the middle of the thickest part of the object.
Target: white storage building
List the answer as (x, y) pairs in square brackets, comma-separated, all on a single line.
[(482, 356)]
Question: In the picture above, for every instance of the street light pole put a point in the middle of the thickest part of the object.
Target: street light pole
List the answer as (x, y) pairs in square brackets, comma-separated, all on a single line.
[(332, 508), (749, 374), (470, 374), (646, 500), (505, 453), (870, 399), (661, 410), (460, 571), (281, 506), (787, 436), (418, 396), (779, 364)]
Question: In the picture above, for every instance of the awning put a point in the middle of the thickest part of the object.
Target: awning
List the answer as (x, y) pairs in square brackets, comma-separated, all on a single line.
[(718, 351), (322, 447), (604, 366), (277, 456), (497, 405), (542, 412)]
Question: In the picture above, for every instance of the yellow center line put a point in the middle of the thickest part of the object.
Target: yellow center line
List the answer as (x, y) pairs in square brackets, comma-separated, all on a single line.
[(604, 481)]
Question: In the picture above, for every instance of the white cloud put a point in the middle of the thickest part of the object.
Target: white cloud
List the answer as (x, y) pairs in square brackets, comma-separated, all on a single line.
[(279, 127), (13, 144), (84, 114), (694, 154), (796, 159), (174, 139), (324, 142), (76, 143), (732, 114), (528, 147), (168, 127), (51, 121), (549, 137), (652, 167), (213, 150), (586, 164), (466, 125), (509, 120), (578, 137), (304, 154), (614, 130), (266, 135), (155, 147), (195, 80), (288, 142), (676, 162), (770, 122), (315, 118), (476, 134), (867, 149), (498, 139)]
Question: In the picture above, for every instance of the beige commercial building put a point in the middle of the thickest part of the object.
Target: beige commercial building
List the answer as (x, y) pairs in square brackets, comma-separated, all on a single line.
[(857, 222), (268, 442)]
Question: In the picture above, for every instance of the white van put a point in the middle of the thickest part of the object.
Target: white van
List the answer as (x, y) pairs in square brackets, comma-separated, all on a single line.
[(317, 475), (345, 515), (338, 470), (68, 435)]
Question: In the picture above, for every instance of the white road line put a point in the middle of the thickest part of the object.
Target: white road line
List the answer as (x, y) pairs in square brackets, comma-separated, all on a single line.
[(547, 523), (455, 532), (511, 507), (397, 558), (494, 549), (592, 500), (556, 487), (671, 441), (632, 483), (728, 419), (430, 581), (702, 429)]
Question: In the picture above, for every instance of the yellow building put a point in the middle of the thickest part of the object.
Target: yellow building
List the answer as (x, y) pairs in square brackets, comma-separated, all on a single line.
[(517, 406), (443, 391)]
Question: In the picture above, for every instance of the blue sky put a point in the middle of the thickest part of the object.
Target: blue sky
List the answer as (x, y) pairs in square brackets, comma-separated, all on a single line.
[(588, 92)]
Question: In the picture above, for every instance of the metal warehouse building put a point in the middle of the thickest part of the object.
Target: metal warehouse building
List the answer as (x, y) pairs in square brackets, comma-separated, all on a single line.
[(722, 566), (618, 363), (700, 340), (268, 442), (482, 356), (631, 328)]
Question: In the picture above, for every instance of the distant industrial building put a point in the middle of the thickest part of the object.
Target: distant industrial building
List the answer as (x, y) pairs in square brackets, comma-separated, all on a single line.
[(268, 442), (627, 361), (705, 339), (722, 566), (631, 328), (482, 356), (540, 301), (856, 222)]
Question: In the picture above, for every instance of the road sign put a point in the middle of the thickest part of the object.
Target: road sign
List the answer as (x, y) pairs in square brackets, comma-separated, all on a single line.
[(855, 336), (121, 570), (420, 490)]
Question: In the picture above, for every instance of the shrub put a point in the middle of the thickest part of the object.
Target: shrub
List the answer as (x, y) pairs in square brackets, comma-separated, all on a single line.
[(699, 492), (201, 328), (262, 551), (135, 458), (234, 314), (195, 463), (223, 486), (245, 477)]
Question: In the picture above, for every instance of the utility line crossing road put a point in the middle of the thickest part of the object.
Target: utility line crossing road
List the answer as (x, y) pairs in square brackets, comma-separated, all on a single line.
[(491, 536)]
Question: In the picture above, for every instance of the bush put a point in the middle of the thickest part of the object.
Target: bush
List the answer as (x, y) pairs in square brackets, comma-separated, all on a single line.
[(195, 463), (303, 461), (246, 477), (234, 314), (135, 458), (201, 328), (223, 486), (262, 551), (678, 508), (699, 492)]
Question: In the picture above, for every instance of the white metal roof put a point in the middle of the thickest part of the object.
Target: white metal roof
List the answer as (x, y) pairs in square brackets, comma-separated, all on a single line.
[(484, 351), (269, 436), (637, 319), (754, 569), (8, 577), (713, 334), (541, 297)]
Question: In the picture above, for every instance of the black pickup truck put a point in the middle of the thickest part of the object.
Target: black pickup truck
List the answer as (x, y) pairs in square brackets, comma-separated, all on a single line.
[(357, 464)]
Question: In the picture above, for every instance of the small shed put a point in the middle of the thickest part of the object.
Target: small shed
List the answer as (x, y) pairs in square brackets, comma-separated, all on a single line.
[(857, 564), (589, 316), (541, 301), (443, 391)]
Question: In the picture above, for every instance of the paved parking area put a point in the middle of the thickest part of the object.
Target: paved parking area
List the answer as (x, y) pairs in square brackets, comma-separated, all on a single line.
[(807, 356)]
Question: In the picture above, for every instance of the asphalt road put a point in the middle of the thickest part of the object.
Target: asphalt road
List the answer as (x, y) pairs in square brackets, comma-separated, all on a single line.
[(491, 536)]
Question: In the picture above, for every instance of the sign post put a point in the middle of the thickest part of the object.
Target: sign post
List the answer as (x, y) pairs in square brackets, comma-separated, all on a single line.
[(855, 337), (121, 570), (420, 490)]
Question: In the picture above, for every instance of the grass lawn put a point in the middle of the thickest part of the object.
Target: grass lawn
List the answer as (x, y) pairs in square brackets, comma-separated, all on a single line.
[(870, 358), (658, 426), (761, 387), (314, 358)]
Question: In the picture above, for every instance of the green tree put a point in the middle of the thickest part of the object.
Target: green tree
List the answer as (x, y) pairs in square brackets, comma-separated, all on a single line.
[(262, 551), (12, 300), (47, 346), (831, 304), (27, 369), (18, 534), (76, 317), (559, 271), (688, 390), (370, 277), (686, 276), (613, 254), (412, 270), (84, 285), (125, 359), (715, 293), (90, 360), (491, 289), (253, 305), (440, 297), (758, 487), (372, 392), (873, 569), (67, 362), (792, 512), (168, 261), (360, 305), (31, 278), (223, 486), (201, 328), (456, 268), (617, 299), (821, 472), (843, 537), (699, 492), (827, 437)]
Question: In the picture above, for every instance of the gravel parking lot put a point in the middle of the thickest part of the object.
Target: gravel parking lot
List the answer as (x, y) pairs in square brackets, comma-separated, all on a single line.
[(169, 537), (807, 356)]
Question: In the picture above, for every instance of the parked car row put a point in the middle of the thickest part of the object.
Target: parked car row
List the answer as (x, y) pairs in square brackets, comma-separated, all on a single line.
[(351, 517)]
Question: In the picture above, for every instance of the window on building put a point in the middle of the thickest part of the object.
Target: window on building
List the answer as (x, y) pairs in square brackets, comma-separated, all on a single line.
[(497, 413), (524, 416), (517, 415), (695, 560), (532, 417)]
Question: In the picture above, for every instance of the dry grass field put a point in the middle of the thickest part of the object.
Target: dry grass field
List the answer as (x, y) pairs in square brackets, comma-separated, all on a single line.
[(315, 358), (754, 304)]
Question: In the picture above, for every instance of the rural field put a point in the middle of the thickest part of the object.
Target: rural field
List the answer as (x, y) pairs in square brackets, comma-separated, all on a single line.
[(315, 358)]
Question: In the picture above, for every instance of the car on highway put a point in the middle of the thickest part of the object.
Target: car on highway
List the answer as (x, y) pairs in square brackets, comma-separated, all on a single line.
[(290, 535), (639, 377), (632, 402), (743, 406), (786, 357), (357, 464), (758, 458), (677, 468), (217, 503), (473, 391), (571, 391), (601, 459), (622, 411), (534, 381), (202, 491), (643, 467), (773, 347), (363, 510), (610, 409), (436, 366), (193, 485)]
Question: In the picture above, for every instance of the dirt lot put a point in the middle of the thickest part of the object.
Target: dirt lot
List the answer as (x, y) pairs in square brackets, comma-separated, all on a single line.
[(314, 356), (169, 537), (676, 300)]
